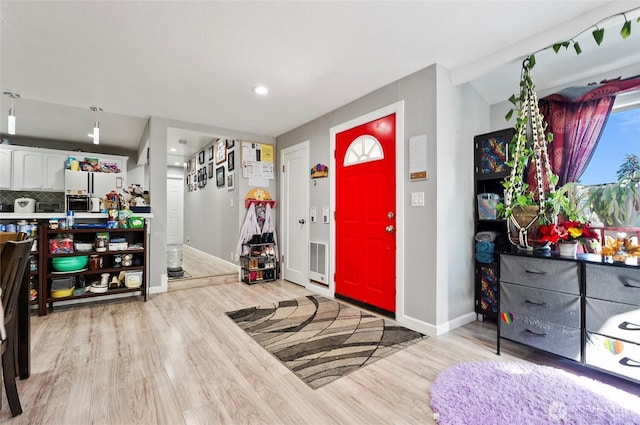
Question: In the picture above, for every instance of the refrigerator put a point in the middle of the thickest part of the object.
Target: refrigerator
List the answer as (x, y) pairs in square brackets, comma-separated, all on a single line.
[(91, 183)]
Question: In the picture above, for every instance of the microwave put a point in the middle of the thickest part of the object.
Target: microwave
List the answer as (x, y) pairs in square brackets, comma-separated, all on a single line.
[(78, 203)]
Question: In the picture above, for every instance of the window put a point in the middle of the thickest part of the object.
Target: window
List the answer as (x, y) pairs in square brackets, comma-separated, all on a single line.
[(620, 137), (363, 149)]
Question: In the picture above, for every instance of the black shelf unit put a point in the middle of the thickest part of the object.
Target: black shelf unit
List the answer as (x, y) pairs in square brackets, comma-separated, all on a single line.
[(131, 235), (490, 169)]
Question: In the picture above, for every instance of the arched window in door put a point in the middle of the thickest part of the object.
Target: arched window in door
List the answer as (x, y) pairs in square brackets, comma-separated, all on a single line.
[(364, 148)]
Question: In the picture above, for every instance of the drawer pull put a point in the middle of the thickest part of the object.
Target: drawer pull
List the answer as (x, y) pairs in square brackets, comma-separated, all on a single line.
[(544, 335), (630, 283), (542, 304), (626, 361), (628, 326), (535, 272)]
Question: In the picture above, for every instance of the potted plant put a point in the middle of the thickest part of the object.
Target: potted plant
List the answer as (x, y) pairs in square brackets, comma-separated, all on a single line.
[(618, 204), (567, 235), (525, 208), (570, 202)]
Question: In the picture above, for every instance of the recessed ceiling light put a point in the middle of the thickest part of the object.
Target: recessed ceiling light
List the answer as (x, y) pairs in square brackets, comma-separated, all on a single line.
[(173, 149), (260, 90), (176, 163)]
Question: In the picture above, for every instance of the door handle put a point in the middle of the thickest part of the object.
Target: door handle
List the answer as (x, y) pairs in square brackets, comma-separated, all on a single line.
[(301, 221), (390, 228)]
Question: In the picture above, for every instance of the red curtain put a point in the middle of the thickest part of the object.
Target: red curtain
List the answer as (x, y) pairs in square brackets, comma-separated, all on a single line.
[(576, 116)]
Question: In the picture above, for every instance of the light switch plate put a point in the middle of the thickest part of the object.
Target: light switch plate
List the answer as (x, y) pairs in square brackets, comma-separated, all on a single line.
[(417, 199), (325, 215), (313, 213)]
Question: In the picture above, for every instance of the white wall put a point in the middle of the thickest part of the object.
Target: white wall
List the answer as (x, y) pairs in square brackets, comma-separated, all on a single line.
[(438, 286)]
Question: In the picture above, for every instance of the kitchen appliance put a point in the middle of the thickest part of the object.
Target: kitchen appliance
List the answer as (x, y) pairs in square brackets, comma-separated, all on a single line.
[(49, 207), (78, 203), (96, 204), (24, 205), (92, 183)]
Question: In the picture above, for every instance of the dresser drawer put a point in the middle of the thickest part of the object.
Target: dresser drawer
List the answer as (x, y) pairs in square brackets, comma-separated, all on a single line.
[(556, 275), (615, 319), (612, 283), (556, 307), (548, 336), (620, 357)]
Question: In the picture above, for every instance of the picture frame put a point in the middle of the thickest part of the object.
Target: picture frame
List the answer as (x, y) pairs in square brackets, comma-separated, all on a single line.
[(201, 157), (221, 151), (211, 153), (231, 156), (231, 179), (492, 153), (230, 143), (220, 176), (210, 170), (193, 165), (188, 167)]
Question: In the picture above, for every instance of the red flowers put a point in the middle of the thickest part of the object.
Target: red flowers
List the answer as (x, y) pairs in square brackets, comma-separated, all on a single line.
[(567, 231)]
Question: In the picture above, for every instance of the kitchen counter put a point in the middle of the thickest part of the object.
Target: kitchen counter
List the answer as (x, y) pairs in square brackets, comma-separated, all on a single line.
[(77, 216)]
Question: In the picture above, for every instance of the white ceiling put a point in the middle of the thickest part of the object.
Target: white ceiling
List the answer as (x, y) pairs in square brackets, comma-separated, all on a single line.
[(197, 61)]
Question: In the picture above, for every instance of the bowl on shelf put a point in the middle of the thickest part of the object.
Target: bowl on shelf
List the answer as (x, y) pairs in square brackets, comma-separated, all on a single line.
[(61, 293), (68, 264), (83, 246)]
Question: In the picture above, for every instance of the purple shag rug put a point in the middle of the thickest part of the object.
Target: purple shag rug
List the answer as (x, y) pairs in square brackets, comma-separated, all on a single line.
[(491, 392)]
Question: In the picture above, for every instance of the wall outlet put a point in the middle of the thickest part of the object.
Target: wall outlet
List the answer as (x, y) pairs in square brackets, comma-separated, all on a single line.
[(188, 239)]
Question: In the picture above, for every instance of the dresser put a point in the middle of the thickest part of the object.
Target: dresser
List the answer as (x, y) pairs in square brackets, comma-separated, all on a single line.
[(540, 304), (612, 319), (582, 309)]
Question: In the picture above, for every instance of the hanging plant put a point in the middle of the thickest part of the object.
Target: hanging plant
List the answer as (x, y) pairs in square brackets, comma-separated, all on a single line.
[(525, 208)]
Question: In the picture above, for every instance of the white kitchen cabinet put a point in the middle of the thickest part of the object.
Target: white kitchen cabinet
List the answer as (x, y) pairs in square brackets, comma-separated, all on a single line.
[(6, 159), (38, 170)]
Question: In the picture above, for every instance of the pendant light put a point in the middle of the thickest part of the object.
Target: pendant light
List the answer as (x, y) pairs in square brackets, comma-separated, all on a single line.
[(96, 126), (11, 118)]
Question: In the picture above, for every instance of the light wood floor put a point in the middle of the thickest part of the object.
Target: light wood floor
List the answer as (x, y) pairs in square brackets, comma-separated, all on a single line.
[(178, 359)]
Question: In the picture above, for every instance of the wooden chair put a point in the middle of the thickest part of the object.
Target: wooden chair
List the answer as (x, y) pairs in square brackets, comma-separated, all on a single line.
[(13, 267)]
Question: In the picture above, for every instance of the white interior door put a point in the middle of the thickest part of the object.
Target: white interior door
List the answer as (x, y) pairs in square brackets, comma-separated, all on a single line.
[(295, 213), (175, 205)]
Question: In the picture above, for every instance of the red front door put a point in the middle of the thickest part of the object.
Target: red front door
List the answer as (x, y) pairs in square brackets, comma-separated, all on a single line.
[(365, 213)]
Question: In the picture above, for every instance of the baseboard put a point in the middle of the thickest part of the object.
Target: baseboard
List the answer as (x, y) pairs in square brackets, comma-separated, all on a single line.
[(435, 330), (164, 285)]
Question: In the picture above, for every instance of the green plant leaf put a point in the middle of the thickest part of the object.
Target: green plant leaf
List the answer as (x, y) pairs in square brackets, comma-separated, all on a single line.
[(576, 47), (513, 99), (626, 29), (598, 35), (556, 47), (532, 61), (509, 115)]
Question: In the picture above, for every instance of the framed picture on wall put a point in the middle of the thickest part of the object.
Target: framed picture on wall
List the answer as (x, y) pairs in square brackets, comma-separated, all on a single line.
[(211, 153), (492, 153), (231, 160), (230, 143), (221, 151), (210, 170), (201, 157), (192, 161), (220, 176), (231, 177)]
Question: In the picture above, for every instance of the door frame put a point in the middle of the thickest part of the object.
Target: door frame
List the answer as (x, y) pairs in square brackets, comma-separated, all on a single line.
[(397, 109), (306, 145)]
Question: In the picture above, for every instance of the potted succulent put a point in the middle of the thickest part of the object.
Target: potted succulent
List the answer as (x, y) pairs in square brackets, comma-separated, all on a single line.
[(526, 208), (618, 204)]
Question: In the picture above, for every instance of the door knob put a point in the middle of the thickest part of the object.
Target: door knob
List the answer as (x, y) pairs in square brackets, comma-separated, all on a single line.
[(301, 221), (390, 215), (390, 228)]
